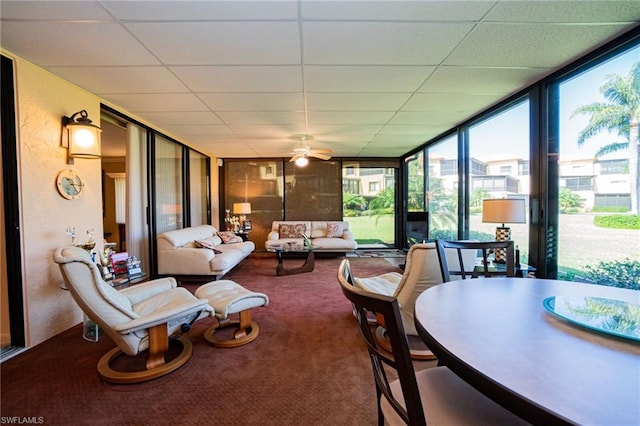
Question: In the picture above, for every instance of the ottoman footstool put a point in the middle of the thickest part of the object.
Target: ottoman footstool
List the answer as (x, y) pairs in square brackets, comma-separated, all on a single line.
[(228, 297)]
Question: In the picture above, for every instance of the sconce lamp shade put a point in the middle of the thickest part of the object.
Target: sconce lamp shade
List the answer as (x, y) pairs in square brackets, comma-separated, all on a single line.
[(506, 210), (301, 161), (241, 208), (83, 137)]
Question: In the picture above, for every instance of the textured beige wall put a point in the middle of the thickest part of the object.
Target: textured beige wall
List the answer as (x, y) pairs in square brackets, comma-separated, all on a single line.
[(42, 101)]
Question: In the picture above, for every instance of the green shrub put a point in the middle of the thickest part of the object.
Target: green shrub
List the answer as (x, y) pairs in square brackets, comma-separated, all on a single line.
[(610, 209), (618, 221), (625, 274)]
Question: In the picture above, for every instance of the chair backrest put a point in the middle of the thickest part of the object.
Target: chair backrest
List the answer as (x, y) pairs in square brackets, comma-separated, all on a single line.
[(98, 300), (462, 269), (417, 227), (421, 271), (408, 405)]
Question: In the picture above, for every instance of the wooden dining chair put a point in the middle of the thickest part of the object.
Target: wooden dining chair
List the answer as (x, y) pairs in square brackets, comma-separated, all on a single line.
[(434, 395), (456, 257)]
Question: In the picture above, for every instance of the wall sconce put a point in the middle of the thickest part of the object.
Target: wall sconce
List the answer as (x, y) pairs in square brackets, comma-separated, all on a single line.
[(82, 138)]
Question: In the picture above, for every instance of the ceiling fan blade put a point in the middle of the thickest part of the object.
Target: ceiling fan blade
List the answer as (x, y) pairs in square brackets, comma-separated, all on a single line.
[(319, 155), (295, 157), (322, 151)]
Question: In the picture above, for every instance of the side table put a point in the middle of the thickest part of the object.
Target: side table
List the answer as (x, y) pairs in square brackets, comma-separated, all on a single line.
[(242, 234)]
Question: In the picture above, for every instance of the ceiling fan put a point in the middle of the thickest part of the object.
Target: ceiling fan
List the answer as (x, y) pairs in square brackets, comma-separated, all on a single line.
[(303, 151)]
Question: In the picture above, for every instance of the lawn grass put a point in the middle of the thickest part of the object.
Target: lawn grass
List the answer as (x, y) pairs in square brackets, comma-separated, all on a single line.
[(372, 229)]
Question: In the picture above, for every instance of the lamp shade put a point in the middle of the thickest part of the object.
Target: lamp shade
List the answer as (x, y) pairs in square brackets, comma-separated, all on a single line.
[(241, 208), (504, 210), (83, 136)]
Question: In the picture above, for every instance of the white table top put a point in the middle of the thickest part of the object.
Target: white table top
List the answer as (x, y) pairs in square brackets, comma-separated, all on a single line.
[(496, 334)]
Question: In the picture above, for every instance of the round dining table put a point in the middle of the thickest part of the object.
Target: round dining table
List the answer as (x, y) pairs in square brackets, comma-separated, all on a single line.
[(496, 334)]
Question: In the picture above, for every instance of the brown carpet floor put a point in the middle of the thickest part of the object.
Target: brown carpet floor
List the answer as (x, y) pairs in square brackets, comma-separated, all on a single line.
[(309, 366)]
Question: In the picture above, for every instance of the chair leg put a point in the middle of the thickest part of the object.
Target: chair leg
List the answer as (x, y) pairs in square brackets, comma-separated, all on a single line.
[(246, 332)]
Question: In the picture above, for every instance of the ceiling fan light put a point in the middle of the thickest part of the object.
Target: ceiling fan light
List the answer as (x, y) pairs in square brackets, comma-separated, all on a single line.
[(301, 161)]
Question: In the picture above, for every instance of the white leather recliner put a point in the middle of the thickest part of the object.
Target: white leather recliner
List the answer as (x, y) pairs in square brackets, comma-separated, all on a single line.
[(139, 318)]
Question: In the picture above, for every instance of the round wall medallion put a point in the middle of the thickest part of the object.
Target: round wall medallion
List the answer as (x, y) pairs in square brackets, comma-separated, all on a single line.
[(69, 184)]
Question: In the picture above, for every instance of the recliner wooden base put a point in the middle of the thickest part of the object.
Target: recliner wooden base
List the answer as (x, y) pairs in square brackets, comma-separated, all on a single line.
[(155, 364), (246, 332)]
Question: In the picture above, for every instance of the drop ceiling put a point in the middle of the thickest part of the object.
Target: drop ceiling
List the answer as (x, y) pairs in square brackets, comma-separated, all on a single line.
[(238, 79)]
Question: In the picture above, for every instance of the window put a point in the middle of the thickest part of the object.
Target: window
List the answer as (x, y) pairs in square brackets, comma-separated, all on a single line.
[(448, 167), (374, 187), (614, 167), (523, 168), (584, 183), (587, 160), (505, 170), (496, 145), (442, 189)]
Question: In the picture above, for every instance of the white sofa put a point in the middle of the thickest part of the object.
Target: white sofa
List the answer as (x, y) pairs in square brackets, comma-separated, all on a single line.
[(178, 254), (317, 231)]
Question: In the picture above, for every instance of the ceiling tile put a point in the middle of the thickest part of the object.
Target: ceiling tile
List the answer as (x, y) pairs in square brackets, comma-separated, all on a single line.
[(221, 43), (529, 45), (565, 11), (281, 78), (158, 102), (319, 78), (74, 44), (254, 101), (356, 101), (348, 117), (183, 117), (103, 80), (262, 117), (482, 80), (396, 10), (187, 130), (198, 10), (53, 10), (380, 43), (273, 130), (454, 102)]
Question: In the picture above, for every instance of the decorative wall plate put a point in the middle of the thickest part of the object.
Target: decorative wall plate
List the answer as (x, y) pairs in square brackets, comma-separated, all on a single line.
[(70, 184)]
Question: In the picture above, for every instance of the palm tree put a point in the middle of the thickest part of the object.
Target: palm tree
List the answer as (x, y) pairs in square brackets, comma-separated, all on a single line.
[(620, 114)]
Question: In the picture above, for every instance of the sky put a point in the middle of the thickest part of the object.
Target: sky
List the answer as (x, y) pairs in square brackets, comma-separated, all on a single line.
[(508, 132)]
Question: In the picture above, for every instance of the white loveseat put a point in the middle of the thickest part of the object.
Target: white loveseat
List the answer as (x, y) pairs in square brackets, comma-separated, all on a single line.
[(318, 231), (179, 255)]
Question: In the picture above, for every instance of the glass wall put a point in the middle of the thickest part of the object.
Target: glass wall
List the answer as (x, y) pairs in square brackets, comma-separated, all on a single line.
[(499, 149), (597, 171), (442, 189), (260, 183), (369, 202), (168, 185), (199, 189), (568, 146), (313, 192)]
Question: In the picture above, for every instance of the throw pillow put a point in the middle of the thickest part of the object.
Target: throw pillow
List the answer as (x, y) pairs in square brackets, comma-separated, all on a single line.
[(335, 230), (228, 237), (292, 230), (208, 244)]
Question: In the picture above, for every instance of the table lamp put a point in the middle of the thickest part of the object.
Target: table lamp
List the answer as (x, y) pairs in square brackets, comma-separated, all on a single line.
[(242, 209), (503, 210)]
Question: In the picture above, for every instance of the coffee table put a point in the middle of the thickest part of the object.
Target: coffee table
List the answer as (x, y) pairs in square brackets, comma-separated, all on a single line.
[(307, 266)]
